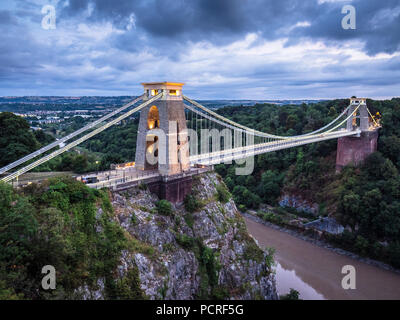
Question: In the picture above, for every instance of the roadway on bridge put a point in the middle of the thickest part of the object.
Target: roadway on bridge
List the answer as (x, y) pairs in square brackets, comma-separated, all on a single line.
[(316, 272)]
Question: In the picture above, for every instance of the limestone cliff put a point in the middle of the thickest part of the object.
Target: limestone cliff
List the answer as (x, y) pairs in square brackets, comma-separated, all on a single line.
[(206, 253)]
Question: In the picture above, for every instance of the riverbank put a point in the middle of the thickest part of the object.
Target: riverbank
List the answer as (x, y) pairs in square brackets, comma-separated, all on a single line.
[(315, 272), (322, 243)]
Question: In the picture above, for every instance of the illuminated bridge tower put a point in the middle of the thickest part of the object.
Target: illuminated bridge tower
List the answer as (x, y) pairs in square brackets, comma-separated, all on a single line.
[(355, 149), (162, 140)]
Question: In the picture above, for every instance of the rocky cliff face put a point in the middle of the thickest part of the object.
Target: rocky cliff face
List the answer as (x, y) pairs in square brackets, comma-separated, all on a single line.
[(297, 202), (206, 253)]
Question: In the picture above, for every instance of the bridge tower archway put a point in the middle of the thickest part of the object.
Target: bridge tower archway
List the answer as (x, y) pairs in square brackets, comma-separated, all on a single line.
[(153, 118)]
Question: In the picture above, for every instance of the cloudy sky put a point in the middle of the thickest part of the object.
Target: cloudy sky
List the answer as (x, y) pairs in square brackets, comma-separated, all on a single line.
[(221, 49)]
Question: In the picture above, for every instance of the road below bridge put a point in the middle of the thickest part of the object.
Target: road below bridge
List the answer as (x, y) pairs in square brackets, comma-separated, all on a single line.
[(316, 272)]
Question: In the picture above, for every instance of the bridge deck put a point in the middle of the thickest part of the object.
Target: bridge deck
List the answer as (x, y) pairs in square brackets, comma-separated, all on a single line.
[(226, 156), (125, 178)]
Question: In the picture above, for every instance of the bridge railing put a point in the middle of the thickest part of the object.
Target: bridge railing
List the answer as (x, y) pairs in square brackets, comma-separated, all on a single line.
[(143, 175), (139, 175)]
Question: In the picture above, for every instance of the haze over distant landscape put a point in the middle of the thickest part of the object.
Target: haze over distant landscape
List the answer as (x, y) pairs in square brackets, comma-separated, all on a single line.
[(42, 103), (228, 49)]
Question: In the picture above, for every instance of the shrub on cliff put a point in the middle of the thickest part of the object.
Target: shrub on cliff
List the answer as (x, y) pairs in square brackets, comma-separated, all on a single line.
[(223, 194), (192, 204), (185, 241), (292, 295), (164, 207)]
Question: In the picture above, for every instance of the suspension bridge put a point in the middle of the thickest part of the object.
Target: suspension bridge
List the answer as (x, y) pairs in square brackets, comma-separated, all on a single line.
[(178, 138)]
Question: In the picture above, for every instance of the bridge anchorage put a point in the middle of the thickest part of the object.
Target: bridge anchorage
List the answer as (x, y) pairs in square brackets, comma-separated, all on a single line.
[(179, 138)]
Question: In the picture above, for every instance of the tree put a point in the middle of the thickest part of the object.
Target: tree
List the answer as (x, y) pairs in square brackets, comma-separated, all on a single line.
[(350, 205), (16, 138), (243, 196), (109, 159), (390, 147), (332, 112), (43, 138), (299, 161), (291, 121), (365, 197), (18, 228), (57, 223), (80, 163), (269, 188), (223, 194), (292, 295), (192, 204), (229, 183)]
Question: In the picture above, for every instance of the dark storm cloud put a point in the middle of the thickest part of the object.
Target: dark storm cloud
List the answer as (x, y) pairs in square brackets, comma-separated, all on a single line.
[(223, 21), (6, 18), (378, 25), (197, 20), (18, 52), (104, 46)]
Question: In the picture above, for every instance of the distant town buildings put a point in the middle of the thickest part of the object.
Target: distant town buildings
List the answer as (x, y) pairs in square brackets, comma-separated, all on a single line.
[(40, 117)]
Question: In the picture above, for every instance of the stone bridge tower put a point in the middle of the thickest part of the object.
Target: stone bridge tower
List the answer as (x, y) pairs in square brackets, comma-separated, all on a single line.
[(356, 149), (162, 140)]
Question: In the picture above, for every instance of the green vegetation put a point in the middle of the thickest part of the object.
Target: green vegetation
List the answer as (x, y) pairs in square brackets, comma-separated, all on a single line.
[(185, 241), (164, 207), (209, 262), (292, 295), (269, 258), (286, 170), (253, 252), (58, 223), (223, 194), (142, 186), (208, 267), (127, 288), (271, 217), (368, 201), (8, 293), (189, 219), (16, 139), (134, 219), (284, 215), (192, 204), (365, 198), (207, 258), (208, 270), (115, 145)]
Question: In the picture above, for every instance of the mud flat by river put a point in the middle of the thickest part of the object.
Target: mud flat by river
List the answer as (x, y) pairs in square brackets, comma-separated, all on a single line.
[(316, 272)]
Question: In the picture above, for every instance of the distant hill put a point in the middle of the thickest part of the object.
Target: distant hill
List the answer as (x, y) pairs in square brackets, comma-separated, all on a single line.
[(215, 104), (61, 103)]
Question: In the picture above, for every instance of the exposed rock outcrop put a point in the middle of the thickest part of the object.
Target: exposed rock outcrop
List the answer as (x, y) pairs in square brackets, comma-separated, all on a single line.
[(297, 202), (204, 254)]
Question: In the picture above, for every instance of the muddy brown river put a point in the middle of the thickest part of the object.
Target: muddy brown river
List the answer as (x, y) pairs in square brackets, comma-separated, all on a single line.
[(316, 272)]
